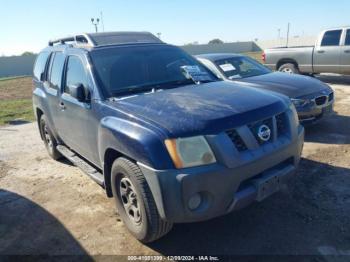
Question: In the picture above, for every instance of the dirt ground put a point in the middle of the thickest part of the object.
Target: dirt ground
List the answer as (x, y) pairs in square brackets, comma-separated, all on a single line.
[(49, 207)]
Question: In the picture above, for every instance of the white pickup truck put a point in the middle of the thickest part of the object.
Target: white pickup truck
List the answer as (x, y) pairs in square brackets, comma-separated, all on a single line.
[(331, 54)]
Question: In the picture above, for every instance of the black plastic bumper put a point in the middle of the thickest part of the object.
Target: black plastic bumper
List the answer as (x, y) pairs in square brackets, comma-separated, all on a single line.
[(222, 189)]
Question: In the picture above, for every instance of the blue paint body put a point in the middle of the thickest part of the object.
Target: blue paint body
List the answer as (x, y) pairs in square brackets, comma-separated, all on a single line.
[(137, 125)]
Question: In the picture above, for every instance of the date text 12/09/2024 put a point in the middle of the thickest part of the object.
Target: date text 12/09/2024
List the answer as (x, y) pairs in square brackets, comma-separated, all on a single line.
[(173, 258)]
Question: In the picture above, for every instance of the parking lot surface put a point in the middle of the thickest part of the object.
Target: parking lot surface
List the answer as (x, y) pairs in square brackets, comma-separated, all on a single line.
[(49, 207)]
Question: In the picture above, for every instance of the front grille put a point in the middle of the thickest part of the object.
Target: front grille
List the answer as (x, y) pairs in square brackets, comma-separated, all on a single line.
[(254, 128), (280, 130), (281, 123), (321, 100), (237, 140), (330, 97)]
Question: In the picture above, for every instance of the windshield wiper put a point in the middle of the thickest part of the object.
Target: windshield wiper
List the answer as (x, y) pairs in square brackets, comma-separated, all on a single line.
[(209, 81), (133, 90), (157, 86), (176, 83), (150, 87)]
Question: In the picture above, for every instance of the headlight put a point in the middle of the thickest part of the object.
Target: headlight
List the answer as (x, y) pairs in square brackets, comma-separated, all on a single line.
[(295, 114), (189, 152), (299, 102)]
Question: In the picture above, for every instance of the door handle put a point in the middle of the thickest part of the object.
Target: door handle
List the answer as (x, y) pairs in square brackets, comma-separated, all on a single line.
[(62, 106), (347, 51), (320, 51)]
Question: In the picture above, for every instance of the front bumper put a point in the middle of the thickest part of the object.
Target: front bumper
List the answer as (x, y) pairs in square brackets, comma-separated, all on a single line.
[(312, 112), (223, 188)]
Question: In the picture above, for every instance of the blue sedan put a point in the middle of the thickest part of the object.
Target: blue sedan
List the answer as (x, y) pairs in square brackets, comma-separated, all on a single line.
[(312, 98)]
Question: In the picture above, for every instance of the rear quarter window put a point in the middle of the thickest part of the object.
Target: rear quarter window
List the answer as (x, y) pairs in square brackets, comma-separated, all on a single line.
[(40, 65), (347, 39), (56, 70)]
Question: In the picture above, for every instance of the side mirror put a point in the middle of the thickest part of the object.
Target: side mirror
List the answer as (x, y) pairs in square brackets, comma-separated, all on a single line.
[(78, 91)]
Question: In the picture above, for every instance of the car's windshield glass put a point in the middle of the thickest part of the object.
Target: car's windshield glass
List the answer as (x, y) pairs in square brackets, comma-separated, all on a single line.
[(241, 67), (130, 69)]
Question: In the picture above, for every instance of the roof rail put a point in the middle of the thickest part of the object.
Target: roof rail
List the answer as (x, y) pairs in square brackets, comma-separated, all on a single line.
[(82, 39), (108, 38)]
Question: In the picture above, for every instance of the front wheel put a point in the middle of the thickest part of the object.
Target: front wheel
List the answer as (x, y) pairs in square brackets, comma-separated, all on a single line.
[(135, 203), (289, 68)]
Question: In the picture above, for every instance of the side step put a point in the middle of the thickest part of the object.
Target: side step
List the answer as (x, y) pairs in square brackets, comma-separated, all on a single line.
[(82, 164)]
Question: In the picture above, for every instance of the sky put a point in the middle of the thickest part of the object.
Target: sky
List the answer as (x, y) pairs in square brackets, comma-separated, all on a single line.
[(28, 25)]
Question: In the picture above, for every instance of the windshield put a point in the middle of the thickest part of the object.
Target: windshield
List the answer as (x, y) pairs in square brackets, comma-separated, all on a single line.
[(241, 67), (139, 68)]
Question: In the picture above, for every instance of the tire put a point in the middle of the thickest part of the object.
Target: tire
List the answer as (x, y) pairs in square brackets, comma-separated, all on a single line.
[(289, 68), (49, 140), (141, 217)]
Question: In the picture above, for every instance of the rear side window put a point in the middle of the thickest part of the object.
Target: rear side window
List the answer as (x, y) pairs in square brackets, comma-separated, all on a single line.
[(347, 39), (40, 65), (331, 38), (75, 73), (56, 68)]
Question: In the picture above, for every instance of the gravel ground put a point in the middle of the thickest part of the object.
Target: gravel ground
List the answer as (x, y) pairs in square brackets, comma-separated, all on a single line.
[(49, 207)]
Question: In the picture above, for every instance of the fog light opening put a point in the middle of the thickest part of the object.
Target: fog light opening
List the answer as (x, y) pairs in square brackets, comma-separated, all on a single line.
[(195, 201)]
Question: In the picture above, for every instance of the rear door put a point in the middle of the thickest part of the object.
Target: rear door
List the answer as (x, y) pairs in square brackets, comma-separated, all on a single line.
[(77, 124), (327, 53), (52, 86), (345, 54)]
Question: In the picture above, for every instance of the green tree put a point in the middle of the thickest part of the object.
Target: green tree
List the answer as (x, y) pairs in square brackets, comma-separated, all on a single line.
[(27, 53), (216, 41)]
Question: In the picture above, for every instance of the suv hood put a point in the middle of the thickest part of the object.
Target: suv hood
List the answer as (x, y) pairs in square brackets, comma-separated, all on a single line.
[(202, 109), (294, 86)]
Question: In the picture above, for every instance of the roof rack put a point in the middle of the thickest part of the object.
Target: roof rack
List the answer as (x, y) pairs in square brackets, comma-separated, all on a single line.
[(108, 38), (82, 39)]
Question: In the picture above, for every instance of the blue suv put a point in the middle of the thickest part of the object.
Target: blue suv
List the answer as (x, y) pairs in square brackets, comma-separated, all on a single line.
[(159, 132)]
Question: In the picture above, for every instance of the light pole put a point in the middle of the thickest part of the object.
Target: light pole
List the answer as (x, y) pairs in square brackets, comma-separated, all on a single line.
[(95, 23), (288, 28), (279, 36), (102, 22)]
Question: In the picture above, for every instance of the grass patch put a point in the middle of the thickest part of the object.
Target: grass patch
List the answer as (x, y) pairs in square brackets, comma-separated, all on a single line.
[(11, 78), (16, 99), (16, 109)]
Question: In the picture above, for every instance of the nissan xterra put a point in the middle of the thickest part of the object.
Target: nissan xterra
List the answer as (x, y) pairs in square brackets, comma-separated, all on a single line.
[(159, 132)]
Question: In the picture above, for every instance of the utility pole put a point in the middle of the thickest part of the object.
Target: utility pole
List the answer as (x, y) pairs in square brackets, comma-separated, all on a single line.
[(95, 23), (102, 22), (279, 36), (288, 27)]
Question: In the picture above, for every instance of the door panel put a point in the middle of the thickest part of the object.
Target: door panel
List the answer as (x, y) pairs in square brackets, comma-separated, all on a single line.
[(77, 124), (327, 53), (345, 55), (52, 86)]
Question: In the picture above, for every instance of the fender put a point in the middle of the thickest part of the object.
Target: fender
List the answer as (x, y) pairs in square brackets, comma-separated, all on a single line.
[(40, 102), (286, 60), (134, 141)]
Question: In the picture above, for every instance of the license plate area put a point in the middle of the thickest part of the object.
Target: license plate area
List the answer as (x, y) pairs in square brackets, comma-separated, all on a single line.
[(267, 186)]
